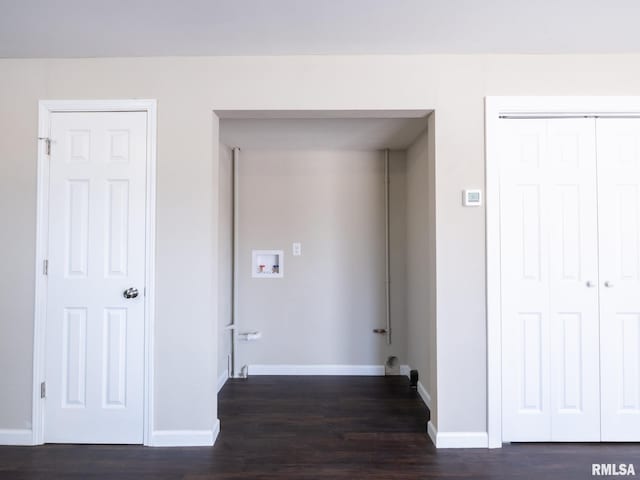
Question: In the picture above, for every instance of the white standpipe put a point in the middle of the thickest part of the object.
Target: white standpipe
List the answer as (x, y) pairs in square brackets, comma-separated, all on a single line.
[(234, 259), (387, 262)]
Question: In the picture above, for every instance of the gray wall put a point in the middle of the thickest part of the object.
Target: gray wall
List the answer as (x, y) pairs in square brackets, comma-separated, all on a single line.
[(225, 255), (186, 242), (398, 252), (188, 90), (330, 299), (421, 265), (432, 285)]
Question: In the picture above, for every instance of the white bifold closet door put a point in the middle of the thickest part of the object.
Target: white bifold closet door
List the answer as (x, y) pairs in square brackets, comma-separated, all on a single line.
[(570, 273), (549, 265), (619, 225)]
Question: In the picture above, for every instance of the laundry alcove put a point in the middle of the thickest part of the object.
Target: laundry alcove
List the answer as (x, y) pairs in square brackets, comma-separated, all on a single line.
[(309, 189)]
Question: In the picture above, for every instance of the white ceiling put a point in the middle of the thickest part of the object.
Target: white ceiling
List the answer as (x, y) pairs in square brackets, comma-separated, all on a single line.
[(321, 133), (103, 28)]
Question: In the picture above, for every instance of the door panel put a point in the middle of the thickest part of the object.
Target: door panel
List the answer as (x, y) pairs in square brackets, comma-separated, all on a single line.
[(619, 219), (74, 351), (549, 281), (525, 283), (94, 336), (573, 280)]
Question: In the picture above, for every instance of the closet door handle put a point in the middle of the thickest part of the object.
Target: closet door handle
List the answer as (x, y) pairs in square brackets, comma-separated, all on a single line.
[(608, 284), (590, 284)]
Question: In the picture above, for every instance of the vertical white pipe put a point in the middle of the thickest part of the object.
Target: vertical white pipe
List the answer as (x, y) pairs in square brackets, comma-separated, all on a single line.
[(234, 259), (387, 245)]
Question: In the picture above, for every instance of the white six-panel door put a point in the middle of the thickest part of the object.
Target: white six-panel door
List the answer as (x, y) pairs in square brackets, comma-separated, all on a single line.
[(549, 274), (619, 218), (96, 251), (525, 284)]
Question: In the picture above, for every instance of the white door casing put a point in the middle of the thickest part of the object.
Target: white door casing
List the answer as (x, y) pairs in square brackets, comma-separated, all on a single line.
[(619, 219), (549, 275), (95, 338)]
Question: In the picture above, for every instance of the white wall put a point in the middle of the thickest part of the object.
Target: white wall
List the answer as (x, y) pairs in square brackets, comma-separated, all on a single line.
[(331, 297), (225, 255), (188, 90)]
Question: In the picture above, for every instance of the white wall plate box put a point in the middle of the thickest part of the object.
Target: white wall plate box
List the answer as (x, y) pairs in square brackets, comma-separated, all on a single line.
[(267, 263)]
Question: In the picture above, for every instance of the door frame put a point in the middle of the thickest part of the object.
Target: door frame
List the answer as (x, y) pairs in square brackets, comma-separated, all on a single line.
[(46, 108), (495, 107)]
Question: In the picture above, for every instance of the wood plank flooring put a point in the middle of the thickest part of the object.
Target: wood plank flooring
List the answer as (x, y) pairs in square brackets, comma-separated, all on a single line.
[(315, 428)]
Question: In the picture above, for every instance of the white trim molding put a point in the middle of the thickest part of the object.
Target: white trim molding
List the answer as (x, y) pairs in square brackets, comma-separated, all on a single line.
[(185, 438), (46, 108), (422, 392), (355, 370), (426, 398), (21, 437), (404, 370), (457, 439), (433, 433), (424, 395), (222, 379), (495, 107)]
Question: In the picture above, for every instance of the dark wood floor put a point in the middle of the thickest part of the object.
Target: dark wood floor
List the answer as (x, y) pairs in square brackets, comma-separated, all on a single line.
[(315, 428)]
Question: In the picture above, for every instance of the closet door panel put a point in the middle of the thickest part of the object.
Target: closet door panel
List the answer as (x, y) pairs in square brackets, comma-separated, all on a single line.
[(573, 280), (619, 228), (525, 283), (549, 281)]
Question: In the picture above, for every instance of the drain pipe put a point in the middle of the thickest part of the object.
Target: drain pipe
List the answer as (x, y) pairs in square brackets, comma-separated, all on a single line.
[(387, 262)]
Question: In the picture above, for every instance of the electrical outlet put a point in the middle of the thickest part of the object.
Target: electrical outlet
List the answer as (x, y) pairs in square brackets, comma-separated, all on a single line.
[(297, 249)]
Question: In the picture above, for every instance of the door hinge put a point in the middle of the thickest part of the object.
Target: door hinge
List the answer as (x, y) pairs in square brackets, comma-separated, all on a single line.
[(45, 267), (47, 144), (43, 390)]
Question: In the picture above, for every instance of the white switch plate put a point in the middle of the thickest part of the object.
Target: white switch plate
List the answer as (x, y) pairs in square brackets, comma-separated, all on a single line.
[(297, 249), (472, 198)]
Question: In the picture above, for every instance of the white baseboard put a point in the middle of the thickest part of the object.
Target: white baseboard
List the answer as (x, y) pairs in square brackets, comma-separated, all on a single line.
[(433, 433), (359, 370), (16, 437), (451, 439), (457, 439), (185, 438), (222, 379), (424, 395), (216, 430)]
